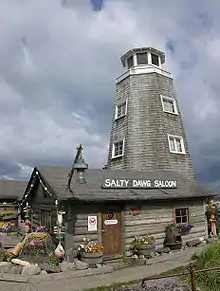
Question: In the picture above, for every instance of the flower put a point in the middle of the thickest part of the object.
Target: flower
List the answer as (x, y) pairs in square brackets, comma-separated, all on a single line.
[(90, 247), (185, 227)]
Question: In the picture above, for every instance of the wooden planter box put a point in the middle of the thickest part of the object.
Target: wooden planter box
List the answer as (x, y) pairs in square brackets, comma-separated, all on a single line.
[(92, 258), (146, 250)]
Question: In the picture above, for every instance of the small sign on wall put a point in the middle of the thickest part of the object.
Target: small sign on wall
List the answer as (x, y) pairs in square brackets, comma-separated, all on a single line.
[(111, 221), (92, 223)]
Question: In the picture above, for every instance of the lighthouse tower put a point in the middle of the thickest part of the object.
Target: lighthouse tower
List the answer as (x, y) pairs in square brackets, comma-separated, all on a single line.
[(147, 130)]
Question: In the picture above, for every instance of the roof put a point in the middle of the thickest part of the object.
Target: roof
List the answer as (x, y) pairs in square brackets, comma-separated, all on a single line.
[(56, 178), (142, 49), (11, 189)]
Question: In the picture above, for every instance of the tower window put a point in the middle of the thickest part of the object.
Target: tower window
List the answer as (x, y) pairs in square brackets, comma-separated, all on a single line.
[(130, 62), (181, 215), (169, 105), (118, 149), (142, 58), (155, 59), (176, 144), (121, 110)]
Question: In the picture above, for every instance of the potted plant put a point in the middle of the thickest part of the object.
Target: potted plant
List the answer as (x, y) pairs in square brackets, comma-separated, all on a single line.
[(185, 228), (144, 245), (91, 252)]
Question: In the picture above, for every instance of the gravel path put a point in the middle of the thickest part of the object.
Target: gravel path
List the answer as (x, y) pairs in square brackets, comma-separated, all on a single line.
[(167, 284)]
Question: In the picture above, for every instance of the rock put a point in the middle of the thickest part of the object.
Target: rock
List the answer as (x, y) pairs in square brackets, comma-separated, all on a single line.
[(49, 268), (193, 243), (99, 265), (5, 267), (17, 269), (43, 272), (67, 266), (80, 265), (31, 270), (163, 250)]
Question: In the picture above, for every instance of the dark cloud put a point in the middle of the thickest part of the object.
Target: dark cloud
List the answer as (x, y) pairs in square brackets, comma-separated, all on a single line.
[(58, 65)]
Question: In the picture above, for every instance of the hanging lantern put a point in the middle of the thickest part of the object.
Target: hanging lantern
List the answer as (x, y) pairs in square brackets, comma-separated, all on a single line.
[(80, 166)]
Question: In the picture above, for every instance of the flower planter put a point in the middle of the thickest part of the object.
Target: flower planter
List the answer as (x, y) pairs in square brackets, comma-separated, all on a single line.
[(91, 258), (146, 250)]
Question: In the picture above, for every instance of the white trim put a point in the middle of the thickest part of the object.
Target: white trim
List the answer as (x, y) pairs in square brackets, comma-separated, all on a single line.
[(143, 69), (135, 59), (113, 149), (116, 109), (181, 141), (162, 97)]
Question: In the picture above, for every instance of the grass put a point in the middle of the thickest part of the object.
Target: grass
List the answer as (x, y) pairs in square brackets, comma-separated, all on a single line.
[(210, 257), (112, 287)]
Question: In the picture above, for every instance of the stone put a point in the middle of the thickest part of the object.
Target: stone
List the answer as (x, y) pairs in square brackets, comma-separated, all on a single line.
[(31, 270), (163, 250), (49, 268), (17, 269), (80, 265), (43, 272), (5, 267), (67, 266), (193, 243)]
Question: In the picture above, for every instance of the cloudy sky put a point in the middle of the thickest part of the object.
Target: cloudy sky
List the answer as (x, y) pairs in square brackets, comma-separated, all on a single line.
[(58, 63)]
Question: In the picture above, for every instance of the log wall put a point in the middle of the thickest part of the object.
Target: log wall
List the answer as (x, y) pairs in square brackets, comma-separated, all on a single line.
[(154, 218)]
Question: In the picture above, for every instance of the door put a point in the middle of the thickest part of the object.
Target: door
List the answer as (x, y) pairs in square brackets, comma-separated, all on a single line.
[(112, 234)]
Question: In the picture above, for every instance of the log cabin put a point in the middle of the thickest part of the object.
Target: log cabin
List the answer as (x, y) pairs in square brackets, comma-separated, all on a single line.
[(113, 206)]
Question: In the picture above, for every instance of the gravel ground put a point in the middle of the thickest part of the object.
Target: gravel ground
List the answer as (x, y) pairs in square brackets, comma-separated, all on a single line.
[(166, 284)]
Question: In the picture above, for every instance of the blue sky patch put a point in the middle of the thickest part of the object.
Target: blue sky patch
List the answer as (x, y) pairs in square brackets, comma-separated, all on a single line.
[(97, 4)]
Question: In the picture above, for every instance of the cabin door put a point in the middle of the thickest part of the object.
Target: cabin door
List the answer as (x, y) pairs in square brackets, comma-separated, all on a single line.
[(112, 234)]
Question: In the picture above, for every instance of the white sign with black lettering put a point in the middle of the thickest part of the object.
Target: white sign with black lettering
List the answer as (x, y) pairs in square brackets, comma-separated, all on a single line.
[(110, 222), (92, 223)]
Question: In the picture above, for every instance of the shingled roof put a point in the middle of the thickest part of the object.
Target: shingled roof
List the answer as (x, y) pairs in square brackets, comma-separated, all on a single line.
[(11, 189), (56, 178)]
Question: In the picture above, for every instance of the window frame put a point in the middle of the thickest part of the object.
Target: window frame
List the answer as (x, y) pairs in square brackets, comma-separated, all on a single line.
[(125, 103), (181, 141), (158, 59), (130, 65), (181, 216), (141, 54), (113, 149), (163, 97)]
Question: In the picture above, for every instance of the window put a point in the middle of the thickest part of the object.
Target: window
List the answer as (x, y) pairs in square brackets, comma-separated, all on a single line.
[(121, 110), (46, 219), (181, 215), (130, 62), (142, 58), (169, 105), (176, 144), (118, 149), (155, 59)]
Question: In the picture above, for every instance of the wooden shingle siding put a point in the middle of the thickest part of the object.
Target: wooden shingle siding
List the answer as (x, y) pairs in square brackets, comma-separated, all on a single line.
[(146, 126), (153, 220)]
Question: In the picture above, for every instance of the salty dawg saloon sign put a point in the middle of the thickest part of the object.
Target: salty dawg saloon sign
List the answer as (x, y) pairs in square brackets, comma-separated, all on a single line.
[(142, 184)]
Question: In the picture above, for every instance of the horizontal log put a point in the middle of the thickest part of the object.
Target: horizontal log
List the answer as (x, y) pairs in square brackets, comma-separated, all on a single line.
[(80, 216), (150, 228), (82, 231), (131, 237), (79, 238), (149, 221), (80, 223)]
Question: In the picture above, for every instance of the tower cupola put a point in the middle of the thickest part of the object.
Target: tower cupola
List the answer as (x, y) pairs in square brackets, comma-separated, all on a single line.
[(143, 56)]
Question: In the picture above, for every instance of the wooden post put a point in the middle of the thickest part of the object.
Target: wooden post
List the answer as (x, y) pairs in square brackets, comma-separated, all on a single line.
[(193, 277)]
